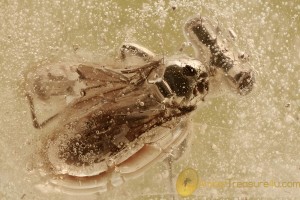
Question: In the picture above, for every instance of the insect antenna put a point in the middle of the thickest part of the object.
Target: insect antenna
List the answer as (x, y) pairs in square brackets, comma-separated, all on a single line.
[(161, 44), (251, 53)]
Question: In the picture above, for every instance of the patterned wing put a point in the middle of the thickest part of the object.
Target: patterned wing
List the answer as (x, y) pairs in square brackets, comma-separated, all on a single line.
[(53, 88)]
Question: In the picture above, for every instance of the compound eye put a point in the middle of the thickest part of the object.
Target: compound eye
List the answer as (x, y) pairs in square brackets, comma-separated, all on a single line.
[(188, 70), (245, 82)]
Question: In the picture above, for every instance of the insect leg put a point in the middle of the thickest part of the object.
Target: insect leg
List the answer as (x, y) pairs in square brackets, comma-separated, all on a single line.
[(169, 161), (35, 122), (136, 50), (177, 152), (175, 155)]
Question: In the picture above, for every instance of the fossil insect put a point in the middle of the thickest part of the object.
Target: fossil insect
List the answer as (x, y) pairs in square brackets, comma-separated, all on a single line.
[(112, 123)]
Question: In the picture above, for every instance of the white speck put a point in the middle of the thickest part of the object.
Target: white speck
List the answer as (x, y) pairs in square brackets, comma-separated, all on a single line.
[(289, 119), (214, 147), (232, 33)]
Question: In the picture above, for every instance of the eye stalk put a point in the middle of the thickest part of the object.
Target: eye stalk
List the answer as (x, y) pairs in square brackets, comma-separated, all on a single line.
[(244, 82)]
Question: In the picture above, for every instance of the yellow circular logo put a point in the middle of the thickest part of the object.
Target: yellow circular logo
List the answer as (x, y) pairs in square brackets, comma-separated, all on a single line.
[(187, 182)]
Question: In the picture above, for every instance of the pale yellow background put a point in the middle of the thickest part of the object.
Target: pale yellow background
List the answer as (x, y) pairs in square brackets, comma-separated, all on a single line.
[(254, 138)]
